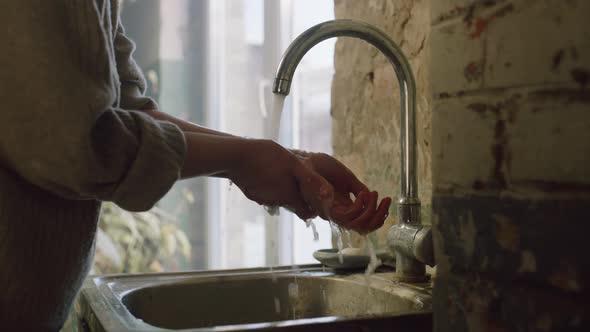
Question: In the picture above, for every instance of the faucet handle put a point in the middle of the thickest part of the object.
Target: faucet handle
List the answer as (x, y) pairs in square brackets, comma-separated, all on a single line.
[(424, 246), (413, 241), (413, 248)]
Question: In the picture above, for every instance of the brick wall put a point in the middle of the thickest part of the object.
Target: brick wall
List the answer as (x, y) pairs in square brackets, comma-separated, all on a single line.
[(505, 87), (365, 97), (511, 164)]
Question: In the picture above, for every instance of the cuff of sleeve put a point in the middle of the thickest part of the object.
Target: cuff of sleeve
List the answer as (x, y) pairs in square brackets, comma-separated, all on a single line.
[(133, 99), (156, 168)]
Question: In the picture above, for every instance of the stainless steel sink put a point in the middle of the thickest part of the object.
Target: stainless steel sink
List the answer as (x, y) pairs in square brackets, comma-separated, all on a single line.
[(307, 298)]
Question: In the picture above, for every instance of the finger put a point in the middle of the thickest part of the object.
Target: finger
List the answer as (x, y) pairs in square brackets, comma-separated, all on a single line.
[(347, 213), (294, 201), (337, 173), (356, 186), (302, 210), (346, 210), (342, 200), (361, 222), (379, 217), (317, 192)]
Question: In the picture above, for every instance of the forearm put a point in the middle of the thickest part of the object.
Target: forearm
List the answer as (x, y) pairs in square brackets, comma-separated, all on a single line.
[(213, 155), (185, 126), (209, 152), (191, 127), (217, 147)]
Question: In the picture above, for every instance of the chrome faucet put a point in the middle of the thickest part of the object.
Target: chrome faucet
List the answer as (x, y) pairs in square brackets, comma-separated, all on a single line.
[(409, 239)]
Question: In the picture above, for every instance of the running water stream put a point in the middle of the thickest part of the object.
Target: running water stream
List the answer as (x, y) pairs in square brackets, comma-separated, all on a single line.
[(310, 223), (278, 102), (276, 111), (337, 233), (374, 262)]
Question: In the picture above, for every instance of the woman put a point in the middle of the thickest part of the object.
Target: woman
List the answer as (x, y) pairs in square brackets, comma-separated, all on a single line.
[(76, 130)]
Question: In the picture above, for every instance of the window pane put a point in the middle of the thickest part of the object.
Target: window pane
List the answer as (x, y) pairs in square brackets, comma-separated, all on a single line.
[(312, 104), (210, 62)]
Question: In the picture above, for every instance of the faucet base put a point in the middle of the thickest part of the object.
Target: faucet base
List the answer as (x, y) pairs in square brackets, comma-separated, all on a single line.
[(408, 269), (412, 244)]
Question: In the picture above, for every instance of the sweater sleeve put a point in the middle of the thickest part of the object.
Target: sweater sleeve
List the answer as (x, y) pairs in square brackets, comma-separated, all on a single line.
[(60, 128), (131, 77)]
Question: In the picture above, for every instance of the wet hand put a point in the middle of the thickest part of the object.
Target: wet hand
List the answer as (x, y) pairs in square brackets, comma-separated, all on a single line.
[(308, 184), (266, 175), (330, 194)]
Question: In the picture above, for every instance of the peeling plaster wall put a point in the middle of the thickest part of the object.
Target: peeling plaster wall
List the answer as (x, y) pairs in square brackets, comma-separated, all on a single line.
[(365, 97), (510, 83)]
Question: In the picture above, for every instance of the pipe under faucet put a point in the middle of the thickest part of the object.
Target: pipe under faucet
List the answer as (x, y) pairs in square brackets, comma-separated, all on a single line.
[(408, 266)]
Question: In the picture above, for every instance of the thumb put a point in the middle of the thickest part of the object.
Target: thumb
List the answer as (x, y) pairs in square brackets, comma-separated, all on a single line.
[(315, 189)]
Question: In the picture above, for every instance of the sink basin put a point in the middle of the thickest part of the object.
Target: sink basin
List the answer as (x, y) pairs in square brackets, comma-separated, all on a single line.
[(254, 299)]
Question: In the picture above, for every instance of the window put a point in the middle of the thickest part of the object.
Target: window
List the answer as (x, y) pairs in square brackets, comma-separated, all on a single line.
[(212, 62)]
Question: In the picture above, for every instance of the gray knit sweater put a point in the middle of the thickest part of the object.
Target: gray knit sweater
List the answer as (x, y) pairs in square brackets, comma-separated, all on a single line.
[(71, 135)]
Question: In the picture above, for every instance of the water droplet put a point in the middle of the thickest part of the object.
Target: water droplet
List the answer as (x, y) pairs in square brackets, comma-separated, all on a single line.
[(348, 238), (293, 290), (310, 223), (273, 275), (272, 210)]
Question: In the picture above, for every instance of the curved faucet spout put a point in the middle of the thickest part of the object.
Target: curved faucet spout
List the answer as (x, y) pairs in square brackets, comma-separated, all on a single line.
[(408, 202), (411, 241)]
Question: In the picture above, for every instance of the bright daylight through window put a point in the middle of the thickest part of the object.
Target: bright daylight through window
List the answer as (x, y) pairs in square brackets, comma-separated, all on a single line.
[(212, 62)]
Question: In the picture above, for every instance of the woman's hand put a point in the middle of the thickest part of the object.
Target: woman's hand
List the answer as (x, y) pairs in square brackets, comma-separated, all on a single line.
[(268, 174), (362, 214), (308, 184)]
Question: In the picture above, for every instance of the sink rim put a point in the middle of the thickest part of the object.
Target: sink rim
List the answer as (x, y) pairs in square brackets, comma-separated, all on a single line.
[(101, 298)]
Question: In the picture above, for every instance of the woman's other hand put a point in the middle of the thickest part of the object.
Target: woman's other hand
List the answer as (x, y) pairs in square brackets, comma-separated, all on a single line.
[(308, 184), (266, 174), (361, 214)]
